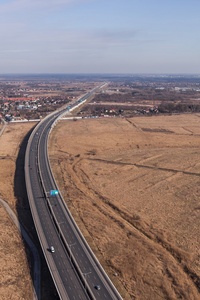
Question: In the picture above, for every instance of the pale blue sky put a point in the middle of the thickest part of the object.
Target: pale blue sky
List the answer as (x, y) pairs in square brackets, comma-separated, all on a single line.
[(99, 36)]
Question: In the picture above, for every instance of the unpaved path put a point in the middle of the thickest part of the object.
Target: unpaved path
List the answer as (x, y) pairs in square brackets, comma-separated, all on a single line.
[(3, 128), (36, 257), (133, 188)]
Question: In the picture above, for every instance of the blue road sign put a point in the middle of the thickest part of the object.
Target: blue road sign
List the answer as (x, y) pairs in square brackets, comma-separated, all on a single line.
[(54, 192)]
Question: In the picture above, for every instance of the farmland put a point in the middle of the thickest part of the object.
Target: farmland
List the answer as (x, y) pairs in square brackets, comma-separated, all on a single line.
[(133, 188)]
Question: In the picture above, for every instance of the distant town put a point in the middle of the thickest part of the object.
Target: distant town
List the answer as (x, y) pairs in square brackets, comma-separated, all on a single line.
[(33, 99), (25, 98)]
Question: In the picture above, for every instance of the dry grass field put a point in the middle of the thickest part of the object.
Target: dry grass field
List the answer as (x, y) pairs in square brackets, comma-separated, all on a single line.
[(133, 187), (15, 279), (15, 259)]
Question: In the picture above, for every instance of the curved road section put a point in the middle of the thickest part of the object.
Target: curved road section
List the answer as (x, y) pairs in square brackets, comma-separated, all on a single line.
[(76, 272)]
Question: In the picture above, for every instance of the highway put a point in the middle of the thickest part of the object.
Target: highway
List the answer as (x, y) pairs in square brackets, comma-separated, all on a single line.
[(74, 268)]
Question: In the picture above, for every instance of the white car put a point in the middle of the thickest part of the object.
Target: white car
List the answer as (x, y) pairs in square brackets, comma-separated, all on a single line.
[(52, 249)]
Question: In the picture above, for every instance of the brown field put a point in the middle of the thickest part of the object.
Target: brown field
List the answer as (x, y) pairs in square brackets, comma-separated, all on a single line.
[(15, 260), (15, 282), (133, 187)]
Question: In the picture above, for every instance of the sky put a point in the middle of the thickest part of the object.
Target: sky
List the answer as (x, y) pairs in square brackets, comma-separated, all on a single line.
[(100, 36)]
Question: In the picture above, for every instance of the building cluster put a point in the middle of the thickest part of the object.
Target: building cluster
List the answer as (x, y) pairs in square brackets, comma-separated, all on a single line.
[(20, 103), (24, 108), (187, 89)]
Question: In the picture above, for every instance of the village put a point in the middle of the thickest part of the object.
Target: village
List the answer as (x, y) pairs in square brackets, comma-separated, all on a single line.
[(25, 99), (32, 100)]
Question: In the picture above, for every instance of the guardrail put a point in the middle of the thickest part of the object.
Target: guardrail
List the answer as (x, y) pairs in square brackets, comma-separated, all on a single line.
[(80, 235), (94, 261), (60, 233), (41, 236)]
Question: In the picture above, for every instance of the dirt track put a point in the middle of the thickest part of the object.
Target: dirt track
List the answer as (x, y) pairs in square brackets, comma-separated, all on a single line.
[(133, 187)]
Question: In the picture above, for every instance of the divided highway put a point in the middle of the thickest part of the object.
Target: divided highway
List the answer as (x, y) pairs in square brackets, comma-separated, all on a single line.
[(75, 270)]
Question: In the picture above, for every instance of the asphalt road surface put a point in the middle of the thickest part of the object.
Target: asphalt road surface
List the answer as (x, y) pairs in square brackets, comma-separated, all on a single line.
[(74, 268)]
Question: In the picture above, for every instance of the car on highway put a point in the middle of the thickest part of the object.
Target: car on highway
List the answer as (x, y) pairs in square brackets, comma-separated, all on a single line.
[(52, 249), (97, 287)]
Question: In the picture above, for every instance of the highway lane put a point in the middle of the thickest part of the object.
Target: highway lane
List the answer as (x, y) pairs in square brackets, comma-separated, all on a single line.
[(56, 227), (62, 271), (78, 247)]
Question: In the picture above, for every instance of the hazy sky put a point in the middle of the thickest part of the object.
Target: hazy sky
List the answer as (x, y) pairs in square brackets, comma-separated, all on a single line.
[(99, 36)]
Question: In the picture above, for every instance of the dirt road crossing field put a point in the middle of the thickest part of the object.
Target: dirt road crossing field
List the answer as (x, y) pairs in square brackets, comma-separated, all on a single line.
[(133, 187)]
